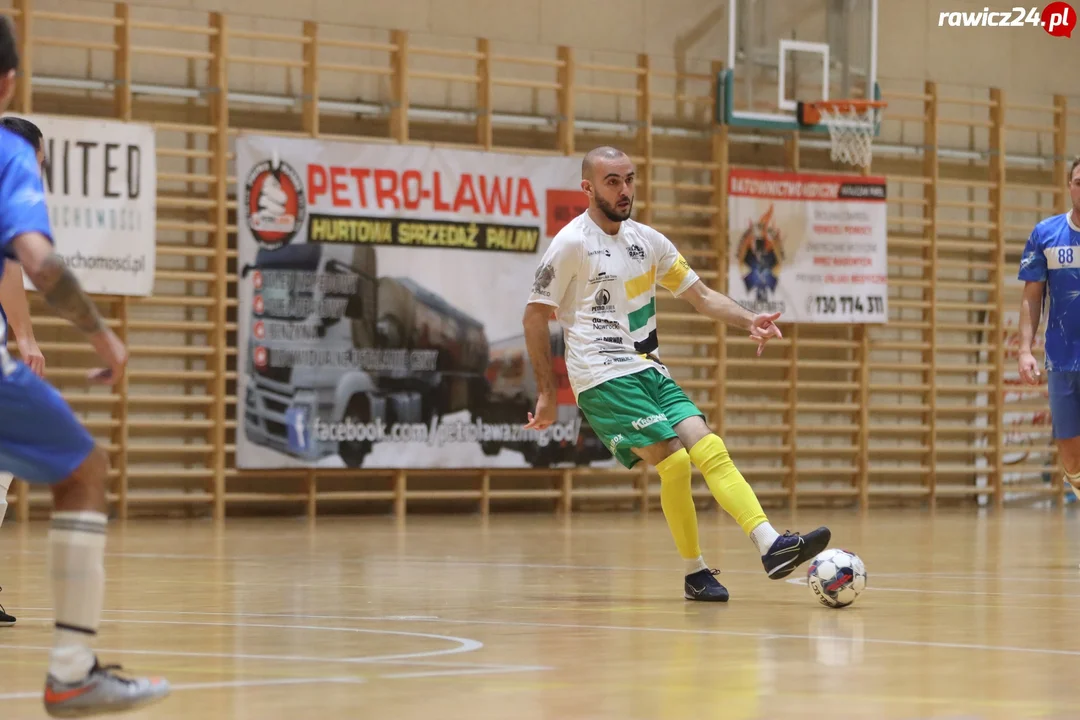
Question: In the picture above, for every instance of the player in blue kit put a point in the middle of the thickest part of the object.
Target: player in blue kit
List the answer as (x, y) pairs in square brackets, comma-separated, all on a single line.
[(15, 310), (42, 441), (1050, 267)]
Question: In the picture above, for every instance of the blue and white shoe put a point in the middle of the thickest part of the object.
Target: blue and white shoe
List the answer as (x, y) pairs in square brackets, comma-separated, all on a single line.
[(703, 586), (791, 550)]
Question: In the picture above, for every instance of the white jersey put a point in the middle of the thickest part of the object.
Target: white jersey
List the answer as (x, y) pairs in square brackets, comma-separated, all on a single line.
[(604, 290)]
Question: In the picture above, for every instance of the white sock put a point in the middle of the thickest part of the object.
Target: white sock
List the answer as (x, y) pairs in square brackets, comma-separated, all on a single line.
[(1074, 480), (5, 483), (77, 565), (764, 535), (695, 565)]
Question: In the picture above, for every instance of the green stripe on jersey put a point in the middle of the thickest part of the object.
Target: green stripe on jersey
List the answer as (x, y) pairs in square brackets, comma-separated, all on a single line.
[(640, 317)]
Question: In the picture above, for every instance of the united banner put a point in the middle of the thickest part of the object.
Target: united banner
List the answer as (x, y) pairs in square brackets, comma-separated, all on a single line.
[(812, 247), (100, 179), (381, 294)]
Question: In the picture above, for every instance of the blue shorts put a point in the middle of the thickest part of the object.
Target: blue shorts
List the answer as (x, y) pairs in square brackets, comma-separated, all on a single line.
[(41, 440), (1064, 388)]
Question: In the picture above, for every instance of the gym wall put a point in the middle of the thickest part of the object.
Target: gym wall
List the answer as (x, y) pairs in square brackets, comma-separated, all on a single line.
[(908, 412)]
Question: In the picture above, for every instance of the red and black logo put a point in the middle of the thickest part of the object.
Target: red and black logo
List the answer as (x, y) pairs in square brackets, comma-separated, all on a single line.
[(274, 203)]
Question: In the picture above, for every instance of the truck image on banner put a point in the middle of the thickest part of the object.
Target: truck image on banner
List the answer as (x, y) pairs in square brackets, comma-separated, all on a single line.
[(380, 302)]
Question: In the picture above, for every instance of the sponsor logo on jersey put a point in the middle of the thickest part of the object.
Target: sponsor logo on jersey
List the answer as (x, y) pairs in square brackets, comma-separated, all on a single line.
[(602, 300), (605, 253), (612, 339), (645, 422), (602, 324), (602, 277), (544, 275)]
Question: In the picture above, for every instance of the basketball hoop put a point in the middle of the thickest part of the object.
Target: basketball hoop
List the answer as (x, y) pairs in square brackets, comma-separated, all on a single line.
[(852, 125)]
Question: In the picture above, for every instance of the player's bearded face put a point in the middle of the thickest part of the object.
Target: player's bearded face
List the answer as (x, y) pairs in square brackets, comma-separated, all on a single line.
[(618, 207)]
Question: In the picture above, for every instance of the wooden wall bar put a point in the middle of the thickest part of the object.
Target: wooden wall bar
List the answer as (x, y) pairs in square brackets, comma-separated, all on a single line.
[(920, 410)]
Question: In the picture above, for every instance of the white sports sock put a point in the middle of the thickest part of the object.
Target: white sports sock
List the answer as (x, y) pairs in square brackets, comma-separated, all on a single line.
[(1074, 480), (77, 565), (764, 535), (695, 565), (5, 483)]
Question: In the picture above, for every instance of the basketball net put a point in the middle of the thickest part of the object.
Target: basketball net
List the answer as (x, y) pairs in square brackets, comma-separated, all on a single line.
[(851, 132)]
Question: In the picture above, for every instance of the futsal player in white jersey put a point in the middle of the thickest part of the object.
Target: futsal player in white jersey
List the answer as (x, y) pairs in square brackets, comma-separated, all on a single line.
[(599, 275)]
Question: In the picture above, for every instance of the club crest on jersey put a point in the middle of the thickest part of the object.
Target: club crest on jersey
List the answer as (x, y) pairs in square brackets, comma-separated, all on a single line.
[(636, 252)]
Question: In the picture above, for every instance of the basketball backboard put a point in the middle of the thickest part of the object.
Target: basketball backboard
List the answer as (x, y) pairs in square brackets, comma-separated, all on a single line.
[(781, 52)]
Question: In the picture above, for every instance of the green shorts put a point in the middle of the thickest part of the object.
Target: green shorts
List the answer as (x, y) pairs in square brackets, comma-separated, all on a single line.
[(635, 411)]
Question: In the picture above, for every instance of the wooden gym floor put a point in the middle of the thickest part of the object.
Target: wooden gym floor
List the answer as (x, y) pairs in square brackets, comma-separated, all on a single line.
[(966, 616)]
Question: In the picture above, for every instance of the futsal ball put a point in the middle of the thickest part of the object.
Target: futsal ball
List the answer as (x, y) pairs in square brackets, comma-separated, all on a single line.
[(836, 577)]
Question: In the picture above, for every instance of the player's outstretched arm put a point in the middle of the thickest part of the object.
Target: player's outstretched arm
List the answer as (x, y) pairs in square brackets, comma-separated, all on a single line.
[(17, 308), (1030, 311), (538, 343), (720, 307), (61, 289)]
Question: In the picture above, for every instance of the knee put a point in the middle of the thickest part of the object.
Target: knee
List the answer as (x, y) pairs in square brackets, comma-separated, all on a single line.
[(96, 467), (84, 489), (1069, 455), (675, 467)]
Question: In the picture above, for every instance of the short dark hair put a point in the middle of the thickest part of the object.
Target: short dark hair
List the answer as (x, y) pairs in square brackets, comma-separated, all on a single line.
[(24, 129), (1072, 168), (9, 50)]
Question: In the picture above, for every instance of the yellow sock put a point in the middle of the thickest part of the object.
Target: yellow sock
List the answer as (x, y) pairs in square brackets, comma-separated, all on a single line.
[(726, 482), (678, 503)]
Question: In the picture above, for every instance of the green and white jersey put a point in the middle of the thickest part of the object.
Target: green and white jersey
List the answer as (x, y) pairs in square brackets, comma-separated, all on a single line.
[(604, 290)]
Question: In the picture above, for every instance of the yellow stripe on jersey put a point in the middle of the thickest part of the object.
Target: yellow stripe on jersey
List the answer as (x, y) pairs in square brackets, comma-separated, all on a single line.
[(641, 284), (675, 276)]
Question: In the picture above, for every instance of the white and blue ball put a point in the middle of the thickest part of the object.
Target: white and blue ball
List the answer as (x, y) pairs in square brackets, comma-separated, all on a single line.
[(836, 577)]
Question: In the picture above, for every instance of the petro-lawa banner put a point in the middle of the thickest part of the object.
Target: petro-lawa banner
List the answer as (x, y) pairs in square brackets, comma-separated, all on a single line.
[(100, 179), (380, 301)]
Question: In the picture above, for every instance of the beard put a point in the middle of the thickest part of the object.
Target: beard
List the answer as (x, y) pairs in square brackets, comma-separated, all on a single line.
[(613, 213)]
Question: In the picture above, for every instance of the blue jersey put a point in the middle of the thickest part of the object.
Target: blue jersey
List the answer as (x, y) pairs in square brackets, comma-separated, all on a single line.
[(1052, 255), (22, 206), (46, 442)]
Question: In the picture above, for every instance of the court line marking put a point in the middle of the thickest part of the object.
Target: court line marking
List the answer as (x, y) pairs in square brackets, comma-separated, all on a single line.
[(932, 591), (494, 667), (449, 673), (415, 659), (943, 575), (464, 645), (681, 631), (217, 685), (768, 636)]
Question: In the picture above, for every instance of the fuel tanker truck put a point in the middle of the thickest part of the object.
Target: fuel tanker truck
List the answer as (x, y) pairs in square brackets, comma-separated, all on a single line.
[(340, 359)]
